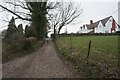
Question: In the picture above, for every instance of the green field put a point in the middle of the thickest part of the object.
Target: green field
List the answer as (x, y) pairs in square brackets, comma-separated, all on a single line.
[(103, 58)]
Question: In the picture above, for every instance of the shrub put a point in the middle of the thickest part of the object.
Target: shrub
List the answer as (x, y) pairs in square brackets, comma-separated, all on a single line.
[(28, 43), (17, 46), (32, 40)]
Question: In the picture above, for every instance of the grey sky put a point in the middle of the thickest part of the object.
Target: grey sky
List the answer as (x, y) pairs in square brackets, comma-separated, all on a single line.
[(92, 10)]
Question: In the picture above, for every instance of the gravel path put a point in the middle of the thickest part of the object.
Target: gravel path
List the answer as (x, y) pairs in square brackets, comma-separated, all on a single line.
[(44, 63)]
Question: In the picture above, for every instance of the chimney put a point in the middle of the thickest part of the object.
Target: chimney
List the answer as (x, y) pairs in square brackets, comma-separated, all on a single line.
[(84, 26), (91, 21)]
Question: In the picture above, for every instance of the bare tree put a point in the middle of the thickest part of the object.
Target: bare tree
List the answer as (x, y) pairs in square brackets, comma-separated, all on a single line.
[(58, 14), (20, 9), (32, 11), (23, 10), (65, 14)]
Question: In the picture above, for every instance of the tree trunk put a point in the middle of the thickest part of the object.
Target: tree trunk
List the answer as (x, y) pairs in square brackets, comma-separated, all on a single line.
[(59, 31), (40, 25), (54, 33)]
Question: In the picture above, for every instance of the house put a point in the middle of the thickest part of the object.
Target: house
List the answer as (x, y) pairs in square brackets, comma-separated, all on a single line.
[(106, 25), (83, 29)]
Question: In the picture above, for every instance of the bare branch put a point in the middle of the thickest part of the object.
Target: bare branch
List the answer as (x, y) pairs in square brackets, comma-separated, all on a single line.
[(18, 5), (65, 14), (23, 13), (15, 13)]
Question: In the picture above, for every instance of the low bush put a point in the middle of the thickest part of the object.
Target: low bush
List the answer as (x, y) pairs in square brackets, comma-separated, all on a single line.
[(28, 43), (17, 46)]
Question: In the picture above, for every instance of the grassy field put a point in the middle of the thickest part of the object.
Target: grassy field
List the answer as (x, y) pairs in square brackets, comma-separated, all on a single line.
[(103, 58)]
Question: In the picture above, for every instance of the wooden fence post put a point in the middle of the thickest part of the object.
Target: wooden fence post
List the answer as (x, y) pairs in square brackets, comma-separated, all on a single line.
[(89, 49)]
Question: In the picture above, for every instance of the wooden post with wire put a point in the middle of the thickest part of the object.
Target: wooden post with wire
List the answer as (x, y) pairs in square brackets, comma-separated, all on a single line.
[(89, 49)]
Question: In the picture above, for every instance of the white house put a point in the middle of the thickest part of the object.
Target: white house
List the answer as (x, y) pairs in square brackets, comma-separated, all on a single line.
[(83, 29), (106, 25)]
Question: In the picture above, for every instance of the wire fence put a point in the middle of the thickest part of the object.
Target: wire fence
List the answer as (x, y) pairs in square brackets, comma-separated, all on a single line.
[(93, 59)]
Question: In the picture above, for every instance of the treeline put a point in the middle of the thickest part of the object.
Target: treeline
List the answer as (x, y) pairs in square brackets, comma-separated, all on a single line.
[(18, 31), (17, 41)]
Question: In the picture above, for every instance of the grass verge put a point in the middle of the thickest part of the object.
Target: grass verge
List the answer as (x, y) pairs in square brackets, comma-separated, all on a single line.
[(103, 59)]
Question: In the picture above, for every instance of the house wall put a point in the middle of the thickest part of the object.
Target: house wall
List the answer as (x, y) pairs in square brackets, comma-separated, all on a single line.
[(108, 25), (84, 30), (117, 28), (99, 28), (90, 30)]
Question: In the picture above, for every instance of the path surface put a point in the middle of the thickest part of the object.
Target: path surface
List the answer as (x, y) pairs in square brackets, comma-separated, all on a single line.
[(44, 63)]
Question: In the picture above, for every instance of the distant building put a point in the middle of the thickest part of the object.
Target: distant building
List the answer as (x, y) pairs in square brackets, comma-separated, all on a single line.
[(83, 29), (106, 25), (65, 30)]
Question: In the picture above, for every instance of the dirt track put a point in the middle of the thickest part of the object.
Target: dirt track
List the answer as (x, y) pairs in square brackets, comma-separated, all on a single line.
[(44, 63)]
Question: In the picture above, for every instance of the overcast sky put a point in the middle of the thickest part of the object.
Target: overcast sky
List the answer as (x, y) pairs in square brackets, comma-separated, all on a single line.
[(95, 11), (92, 10)]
